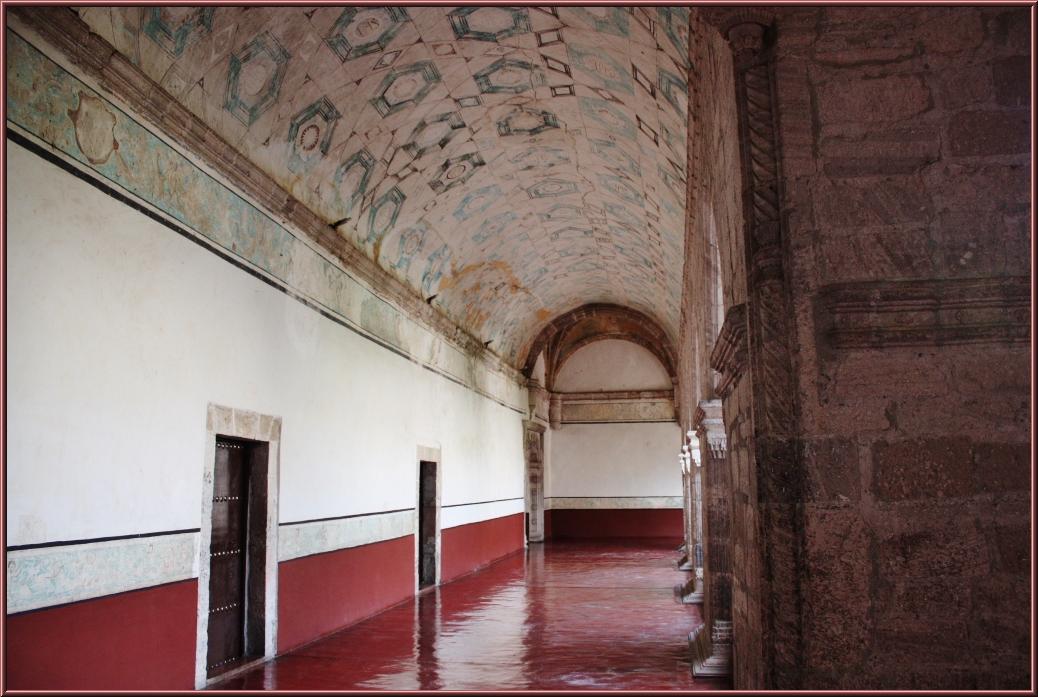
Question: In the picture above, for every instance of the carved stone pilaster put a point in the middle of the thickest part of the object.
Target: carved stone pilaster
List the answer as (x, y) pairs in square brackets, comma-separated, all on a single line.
[(770, 348), (534, 495)]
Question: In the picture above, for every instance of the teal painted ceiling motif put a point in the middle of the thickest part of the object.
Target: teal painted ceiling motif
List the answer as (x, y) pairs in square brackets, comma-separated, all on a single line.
[(515, 162)]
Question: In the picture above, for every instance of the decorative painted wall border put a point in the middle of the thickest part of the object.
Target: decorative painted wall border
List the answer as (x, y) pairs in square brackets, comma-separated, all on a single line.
[(46, 576), (557, 503), (104, 140), (880, 314), (317, 537)]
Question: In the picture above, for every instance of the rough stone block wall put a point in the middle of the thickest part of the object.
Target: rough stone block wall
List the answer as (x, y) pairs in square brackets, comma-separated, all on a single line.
[(905, 153)]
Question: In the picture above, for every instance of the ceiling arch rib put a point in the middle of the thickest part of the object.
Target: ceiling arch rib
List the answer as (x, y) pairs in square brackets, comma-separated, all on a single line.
[(561, 338), (510, 161)]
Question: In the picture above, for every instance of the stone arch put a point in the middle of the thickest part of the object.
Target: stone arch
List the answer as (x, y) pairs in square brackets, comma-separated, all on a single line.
[(563, 336)]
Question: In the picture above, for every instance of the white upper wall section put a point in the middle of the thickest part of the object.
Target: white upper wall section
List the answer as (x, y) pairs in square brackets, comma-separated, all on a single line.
[(122, 331), (612, 364), (613, 460)]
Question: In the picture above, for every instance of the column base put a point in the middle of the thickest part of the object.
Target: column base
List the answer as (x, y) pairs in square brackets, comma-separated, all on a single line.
[(692, 592), (711, 656)]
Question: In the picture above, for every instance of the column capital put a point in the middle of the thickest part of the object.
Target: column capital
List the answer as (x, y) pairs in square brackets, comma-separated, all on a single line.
[(746, 29), (537, 398), (708, 422), (747, 40), (555, 410)]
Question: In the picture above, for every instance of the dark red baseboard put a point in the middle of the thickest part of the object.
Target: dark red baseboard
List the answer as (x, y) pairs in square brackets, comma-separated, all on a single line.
[(139, 640), (325, 592), (466, 548), (569, 523)]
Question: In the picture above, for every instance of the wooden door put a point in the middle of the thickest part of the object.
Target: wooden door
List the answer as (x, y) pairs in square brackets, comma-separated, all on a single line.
[(426, 524), (228, 556)]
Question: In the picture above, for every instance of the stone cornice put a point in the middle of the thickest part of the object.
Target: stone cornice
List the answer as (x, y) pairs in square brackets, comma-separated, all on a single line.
[(620, 406), (62, 29), (880, 314), (729, 355), (616, 396)]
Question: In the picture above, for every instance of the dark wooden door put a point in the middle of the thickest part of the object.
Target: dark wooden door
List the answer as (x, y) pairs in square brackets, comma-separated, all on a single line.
[(227, 556), (427, 524)]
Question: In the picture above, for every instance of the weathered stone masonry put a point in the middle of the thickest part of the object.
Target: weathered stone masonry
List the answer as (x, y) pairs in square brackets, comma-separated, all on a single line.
[(889, 541)]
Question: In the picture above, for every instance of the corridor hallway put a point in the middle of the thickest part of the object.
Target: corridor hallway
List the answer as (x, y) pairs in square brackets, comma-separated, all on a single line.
[(320, 312), (562, 616)]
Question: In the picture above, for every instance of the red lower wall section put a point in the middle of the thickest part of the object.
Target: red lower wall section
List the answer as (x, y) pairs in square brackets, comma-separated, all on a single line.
[(613, 522), (140, 640), (325, 592), (468, 547)]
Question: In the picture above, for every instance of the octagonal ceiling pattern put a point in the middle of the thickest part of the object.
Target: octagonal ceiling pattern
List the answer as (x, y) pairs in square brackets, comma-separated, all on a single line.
[(513, 162)]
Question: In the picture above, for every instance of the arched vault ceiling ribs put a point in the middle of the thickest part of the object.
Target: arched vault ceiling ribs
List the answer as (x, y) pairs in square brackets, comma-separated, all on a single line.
[(514, 162), (566, 334)]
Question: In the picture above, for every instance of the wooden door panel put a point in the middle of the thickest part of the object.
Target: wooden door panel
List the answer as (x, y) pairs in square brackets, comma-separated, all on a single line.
[(227, 556), (427, 523)]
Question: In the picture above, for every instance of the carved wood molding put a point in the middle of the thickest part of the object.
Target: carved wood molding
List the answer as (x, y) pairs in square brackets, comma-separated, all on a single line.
[(729, 355), (932, 312), (64, 30)]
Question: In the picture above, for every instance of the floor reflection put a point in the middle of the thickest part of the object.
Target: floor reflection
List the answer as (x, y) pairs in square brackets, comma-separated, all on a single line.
[(561, 616)]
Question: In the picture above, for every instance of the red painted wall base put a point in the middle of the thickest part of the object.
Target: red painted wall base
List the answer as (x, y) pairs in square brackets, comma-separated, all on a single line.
[(468, 547), (322, 593), (139, 640), (613, 522)]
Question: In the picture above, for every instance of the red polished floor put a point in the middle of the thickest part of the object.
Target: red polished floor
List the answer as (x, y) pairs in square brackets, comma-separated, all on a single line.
[(562, 616)]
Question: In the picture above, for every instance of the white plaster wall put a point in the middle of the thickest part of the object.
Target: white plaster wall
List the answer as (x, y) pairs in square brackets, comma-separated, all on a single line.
[(612, 364), (615, 460), (120, 332)]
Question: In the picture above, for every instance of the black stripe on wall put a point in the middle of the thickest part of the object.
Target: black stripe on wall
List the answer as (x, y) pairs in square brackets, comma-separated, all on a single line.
[(345, 517), (92, 540), (476, 503)]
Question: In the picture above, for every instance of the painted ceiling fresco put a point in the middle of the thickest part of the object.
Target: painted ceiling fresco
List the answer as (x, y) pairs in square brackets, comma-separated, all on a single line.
[(513, 162)]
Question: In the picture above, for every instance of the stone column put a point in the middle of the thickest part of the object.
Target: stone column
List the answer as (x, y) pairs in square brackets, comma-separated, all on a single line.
[(712, 643), (686, 519), (693, 591), (775, 473)]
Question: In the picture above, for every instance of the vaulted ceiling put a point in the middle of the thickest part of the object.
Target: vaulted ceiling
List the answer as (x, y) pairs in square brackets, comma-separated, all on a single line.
[(513, 162)]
